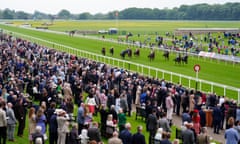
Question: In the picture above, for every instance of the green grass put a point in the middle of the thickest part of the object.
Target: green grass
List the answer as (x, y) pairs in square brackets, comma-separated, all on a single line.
[(211, 70)]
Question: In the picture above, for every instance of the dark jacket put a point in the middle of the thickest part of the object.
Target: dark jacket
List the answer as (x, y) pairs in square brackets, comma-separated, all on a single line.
[(138, 138), (94, 134), (152, 122), (217, 114), (126, 136)]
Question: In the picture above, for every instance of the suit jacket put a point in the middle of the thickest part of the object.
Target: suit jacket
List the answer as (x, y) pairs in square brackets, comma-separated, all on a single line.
[(126, 136), (217, 114), (94, 134), (188, 136), (152, 122), (3, 118), (163, 123), (114, 140), (138, 138), (11, 117)]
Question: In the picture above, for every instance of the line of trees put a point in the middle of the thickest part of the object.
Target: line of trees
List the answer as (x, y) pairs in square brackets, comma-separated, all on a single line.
[(227, 11)]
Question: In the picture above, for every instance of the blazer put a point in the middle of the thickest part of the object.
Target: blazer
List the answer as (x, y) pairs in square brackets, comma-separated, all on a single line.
[(188, 136), (3, 118), (94, 134), (152, 122), (126, 136), (163, 123), (138, 138), (114, 140), (11, 117)]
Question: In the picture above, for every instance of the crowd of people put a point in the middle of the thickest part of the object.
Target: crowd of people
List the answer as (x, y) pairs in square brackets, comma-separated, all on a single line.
[(30, 73)]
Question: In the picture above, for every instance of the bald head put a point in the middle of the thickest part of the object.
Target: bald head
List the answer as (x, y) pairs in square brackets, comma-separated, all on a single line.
[(115, 134)]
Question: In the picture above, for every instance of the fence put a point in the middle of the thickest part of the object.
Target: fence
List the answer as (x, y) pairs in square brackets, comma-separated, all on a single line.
[(187, 81)]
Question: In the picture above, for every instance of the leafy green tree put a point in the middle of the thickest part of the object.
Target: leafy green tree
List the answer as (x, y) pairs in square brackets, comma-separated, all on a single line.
[(64, 14), (22, 15), (84, 16), (8, 14)]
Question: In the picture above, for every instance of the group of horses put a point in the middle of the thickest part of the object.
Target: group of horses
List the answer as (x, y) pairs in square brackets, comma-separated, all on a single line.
[(179, 59), (111, 51)]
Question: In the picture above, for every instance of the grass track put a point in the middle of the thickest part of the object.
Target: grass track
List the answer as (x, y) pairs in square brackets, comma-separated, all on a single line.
[(216, 71)]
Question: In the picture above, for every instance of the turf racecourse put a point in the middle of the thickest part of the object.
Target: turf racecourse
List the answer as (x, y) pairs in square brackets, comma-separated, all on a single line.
[(95, 46), (216, 71)]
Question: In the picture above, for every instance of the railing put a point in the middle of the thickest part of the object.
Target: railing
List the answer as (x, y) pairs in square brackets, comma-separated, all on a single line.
[(233, 59), (187, 81)]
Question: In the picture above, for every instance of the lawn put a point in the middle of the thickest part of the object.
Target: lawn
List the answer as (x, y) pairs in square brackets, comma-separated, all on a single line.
[(211, 70), (217, 71)]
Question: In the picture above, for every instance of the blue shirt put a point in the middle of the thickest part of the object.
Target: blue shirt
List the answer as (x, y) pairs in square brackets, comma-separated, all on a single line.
[(80, 116), (231, 136)]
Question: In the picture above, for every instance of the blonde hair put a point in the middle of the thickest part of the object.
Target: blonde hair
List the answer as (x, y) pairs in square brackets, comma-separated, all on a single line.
[(231, 121), (110, 117), (31, 112)]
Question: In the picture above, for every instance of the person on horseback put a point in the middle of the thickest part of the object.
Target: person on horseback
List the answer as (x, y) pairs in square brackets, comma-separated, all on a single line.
[(137, 52), (166, 54), (129, 51), (123, 52), (152, 54), (104, 51), (111, 51), (178, 58)]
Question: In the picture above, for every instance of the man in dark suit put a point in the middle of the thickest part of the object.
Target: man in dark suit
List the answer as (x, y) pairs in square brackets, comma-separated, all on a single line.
[(217, 115), (188, 135), (126, 135), (94, 133), (152, 125), (138, 138), (53, 134)]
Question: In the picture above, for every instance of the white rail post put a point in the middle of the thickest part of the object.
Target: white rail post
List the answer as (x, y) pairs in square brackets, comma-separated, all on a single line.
[(171, 77), (200, 85), (148, 71), (224, 90), (238, 96), (156, 73), (211, 87), (180, 79), (189, 82)]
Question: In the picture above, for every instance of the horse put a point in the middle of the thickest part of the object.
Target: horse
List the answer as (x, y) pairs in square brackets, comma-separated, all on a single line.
[(185, 59), (166, 55), (72, 32), (178, 59), (137, 52), (111, 51), (151, 56), (103, 51), (129, 52), (123, 53)]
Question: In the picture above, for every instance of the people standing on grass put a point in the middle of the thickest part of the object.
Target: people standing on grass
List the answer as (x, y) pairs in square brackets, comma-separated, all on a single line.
[(126, 135), (45, 69), (188, 134), (138, 137), (169, 106), (31, 123), (11, 122), (152, 125), (3, 124), (114, 139), (19, 111)]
